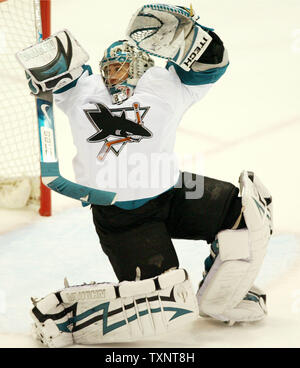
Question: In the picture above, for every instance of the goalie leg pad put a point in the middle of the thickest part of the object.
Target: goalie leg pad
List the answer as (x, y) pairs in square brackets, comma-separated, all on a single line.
[(48, 313), (231, 276), (238, 256), (257, 202), (129, 311), (251, 308)]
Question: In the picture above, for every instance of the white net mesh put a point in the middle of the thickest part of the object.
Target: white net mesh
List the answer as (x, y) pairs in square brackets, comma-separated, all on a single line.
[(19, 148), (140, 35)]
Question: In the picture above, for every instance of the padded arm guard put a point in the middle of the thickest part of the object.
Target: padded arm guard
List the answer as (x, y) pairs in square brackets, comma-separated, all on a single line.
[(53, 63), (169, 32)]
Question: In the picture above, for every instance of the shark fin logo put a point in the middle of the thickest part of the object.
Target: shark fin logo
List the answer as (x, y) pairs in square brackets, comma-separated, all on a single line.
[(115, 129)]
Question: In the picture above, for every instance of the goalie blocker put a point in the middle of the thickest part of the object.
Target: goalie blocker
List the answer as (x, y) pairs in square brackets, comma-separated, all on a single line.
[(98, 313), (54, 62)]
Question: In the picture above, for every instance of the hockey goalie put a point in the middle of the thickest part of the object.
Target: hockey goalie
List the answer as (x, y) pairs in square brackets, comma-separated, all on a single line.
[(131, 111)]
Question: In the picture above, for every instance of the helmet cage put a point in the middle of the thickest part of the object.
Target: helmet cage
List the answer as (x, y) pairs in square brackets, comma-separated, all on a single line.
[(122, 52)]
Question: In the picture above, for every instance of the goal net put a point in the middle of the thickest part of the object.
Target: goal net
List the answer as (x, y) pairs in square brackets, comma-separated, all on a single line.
[(19, 141)]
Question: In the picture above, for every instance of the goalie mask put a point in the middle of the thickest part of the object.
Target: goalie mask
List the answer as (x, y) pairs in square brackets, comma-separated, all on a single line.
[(121, 68)]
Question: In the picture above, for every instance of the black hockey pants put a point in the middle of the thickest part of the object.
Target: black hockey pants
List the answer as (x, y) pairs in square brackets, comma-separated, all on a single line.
[(143, 237)]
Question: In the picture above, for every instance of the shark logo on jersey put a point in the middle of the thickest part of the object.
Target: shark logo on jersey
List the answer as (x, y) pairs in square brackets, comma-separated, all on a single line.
[(116, 129)]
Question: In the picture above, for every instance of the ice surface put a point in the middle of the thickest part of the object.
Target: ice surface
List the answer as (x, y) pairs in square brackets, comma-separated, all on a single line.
[(35, 259)]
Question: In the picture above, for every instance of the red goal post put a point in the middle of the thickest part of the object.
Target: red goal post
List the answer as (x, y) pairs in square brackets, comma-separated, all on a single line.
[(20, 184), (45, 201)]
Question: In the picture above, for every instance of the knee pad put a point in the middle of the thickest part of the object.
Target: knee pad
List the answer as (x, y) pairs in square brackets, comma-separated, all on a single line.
[(236, 259)]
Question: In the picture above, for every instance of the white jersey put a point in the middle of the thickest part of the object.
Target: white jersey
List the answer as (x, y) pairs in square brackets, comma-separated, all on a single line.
[(128, 148)]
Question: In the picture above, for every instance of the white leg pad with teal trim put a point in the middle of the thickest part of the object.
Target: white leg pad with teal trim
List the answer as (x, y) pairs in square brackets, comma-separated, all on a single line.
[(223, 294), (99, 313)]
